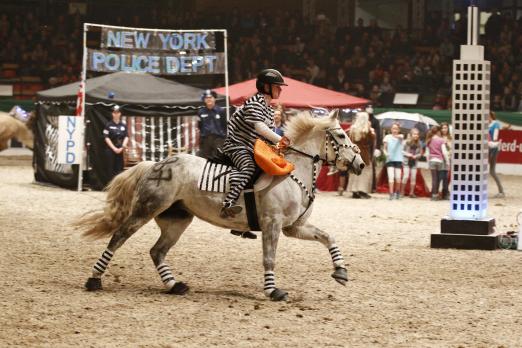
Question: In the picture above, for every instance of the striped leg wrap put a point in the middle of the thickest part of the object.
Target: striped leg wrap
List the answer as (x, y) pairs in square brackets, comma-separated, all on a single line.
[(166, 276), (101, 265), (269, 283), (337, 257)]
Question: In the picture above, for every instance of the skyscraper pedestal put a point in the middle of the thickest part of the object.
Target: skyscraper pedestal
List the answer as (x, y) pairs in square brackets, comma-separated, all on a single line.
[(467, 226)]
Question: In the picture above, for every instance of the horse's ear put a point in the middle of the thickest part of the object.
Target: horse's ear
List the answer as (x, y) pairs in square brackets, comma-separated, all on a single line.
[(334, 114)]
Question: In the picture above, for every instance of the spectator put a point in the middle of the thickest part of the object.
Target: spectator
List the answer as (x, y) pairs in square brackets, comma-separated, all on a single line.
[(412, 152), (279, 121), (447, 49), (493, 145), (444, 174), (363, 135), (493, 25), (377, 146), (434, 144), (393, 147)]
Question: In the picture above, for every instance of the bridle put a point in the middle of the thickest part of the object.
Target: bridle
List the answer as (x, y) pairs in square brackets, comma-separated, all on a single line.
[(330, 141)]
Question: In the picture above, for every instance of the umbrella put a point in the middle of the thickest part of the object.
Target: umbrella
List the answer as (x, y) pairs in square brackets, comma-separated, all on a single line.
[(406, 120)]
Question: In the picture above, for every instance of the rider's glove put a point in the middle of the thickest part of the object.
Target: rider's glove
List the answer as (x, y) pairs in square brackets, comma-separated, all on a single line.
[(283, 143)]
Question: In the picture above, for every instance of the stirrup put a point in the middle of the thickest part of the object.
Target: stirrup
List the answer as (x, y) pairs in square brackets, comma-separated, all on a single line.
[(229, 210), (246, 234)]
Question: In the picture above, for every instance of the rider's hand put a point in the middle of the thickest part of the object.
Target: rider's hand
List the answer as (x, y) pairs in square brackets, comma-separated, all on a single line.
[(283, 143)]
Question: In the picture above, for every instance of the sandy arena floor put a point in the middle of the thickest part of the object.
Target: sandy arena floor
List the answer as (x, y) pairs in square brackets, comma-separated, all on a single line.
[(401, 293)]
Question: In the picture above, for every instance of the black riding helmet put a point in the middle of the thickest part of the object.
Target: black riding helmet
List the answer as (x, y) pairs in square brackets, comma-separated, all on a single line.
[(271, 77)]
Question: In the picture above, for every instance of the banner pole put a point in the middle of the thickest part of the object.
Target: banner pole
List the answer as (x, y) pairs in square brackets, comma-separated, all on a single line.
[(82, 114), (226, 75)]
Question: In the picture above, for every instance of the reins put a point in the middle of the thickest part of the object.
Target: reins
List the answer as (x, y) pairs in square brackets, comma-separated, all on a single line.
[(330, 139)]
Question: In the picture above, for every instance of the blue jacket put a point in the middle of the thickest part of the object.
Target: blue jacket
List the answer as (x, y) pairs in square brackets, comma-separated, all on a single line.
[(212, 121)]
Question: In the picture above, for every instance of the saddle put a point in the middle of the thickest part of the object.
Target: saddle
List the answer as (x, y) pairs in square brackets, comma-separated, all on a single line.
[(221, 165), (214, 178)]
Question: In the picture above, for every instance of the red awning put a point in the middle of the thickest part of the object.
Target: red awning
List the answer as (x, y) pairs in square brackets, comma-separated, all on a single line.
[(296, 95)]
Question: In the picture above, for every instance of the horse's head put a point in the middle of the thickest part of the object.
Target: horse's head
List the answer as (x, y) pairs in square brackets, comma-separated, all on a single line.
[(339, 149), (325, 137)]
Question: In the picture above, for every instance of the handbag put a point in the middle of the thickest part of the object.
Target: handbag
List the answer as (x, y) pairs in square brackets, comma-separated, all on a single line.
[(269, 160)]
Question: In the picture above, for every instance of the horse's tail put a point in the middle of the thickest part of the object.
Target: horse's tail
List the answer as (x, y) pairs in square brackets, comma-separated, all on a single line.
[(120, 199)]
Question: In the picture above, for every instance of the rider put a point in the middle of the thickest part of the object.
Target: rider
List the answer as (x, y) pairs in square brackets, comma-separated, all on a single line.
[(254, 120)]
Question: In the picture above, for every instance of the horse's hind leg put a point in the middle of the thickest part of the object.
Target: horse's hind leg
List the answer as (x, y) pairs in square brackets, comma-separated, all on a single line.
[(310, 232), (126, 230), (173, 222)]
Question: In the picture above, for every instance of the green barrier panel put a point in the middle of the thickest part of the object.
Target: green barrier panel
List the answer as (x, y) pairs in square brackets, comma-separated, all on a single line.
[(7, 104)]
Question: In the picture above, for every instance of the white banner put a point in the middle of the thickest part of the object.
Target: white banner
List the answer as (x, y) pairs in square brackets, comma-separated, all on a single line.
[(69, 139)]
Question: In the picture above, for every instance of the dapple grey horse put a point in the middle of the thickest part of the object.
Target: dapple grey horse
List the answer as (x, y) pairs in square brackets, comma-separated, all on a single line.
[(168, 192)]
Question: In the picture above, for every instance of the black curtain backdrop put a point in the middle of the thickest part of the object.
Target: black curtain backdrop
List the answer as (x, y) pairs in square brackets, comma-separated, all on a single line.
[(46, 138)]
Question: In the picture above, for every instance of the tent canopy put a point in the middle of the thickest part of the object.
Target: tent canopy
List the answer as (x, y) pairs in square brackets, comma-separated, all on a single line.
[(160, 112), (128, 88), (296, 95)]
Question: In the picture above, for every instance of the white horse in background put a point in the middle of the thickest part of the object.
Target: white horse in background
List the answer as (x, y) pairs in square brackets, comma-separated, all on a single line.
[(168, 192), (11, 127)]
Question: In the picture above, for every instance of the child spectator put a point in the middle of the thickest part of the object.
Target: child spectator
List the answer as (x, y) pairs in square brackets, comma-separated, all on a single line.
[(393, 144), (435, 143), (412, 151)]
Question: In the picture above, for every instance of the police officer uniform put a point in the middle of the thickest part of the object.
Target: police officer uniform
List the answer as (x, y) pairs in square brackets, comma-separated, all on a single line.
[(116, 132), (212, 125)]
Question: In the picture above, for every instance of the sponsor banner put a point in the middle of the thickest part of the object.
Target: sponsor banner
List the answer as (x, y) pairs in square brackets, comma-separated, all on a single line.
[(156, 62), (510, 146), (69, 139), (135, 39)]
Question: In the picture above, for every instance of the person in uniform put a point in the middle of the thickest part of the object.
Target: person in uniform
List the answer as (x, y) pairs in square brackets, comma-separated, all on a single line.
[(116, 138), (254, 120), (212, 125)]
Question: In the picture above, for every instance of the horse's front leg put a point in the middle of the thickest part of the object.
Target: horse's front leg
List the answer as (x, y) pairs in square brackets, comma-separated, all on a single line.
[(310, 232), (271, 233)]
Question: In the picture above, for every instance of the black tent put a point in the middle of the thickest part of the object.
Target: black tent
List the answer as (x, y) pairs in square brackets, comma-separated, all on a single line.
[(160, 114)]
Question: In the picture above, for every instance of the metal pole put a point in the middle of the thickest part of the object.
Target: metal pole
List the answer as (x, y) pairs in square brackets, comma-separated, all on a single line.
[(82, 124), (226, 75)]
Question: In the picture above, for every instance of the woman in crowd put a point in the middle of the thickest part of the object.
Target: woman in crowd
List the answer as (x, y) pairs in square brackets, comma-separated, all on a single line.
[(363, 135), (435, 144), (444, 173), (412, 151), (279, 122), (393, 144), (493, 145)]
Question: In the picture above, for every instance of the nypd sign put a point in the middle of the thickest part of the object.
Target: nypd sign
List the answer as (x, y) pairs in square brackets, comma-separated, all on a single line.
[(69, 139)]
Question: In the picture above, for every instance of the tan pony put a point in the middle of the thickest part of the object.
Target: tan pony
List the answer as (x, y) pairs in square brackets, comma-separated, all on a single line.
[(11, 127)]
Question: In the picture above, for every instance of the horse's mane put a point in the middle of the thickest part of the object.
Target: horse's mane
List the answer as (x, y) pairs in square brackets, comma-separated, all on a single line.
[(298, 127)]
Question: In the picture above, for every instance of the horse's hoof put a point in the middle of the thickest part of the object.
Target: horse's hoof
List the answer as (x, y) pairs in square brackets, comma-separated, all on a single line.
[(179, 289), (340, 275), (93, 284), (279, 295)]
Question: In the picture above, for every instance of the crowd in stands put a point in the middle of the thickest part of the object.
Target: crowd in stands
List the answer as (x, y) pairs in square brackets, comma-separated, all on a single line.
[(363, 60)]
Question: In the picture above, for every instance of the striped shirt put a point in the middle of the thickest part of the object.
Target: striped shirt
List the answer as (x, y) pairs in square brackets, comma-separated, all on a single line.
[(241, 131)]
